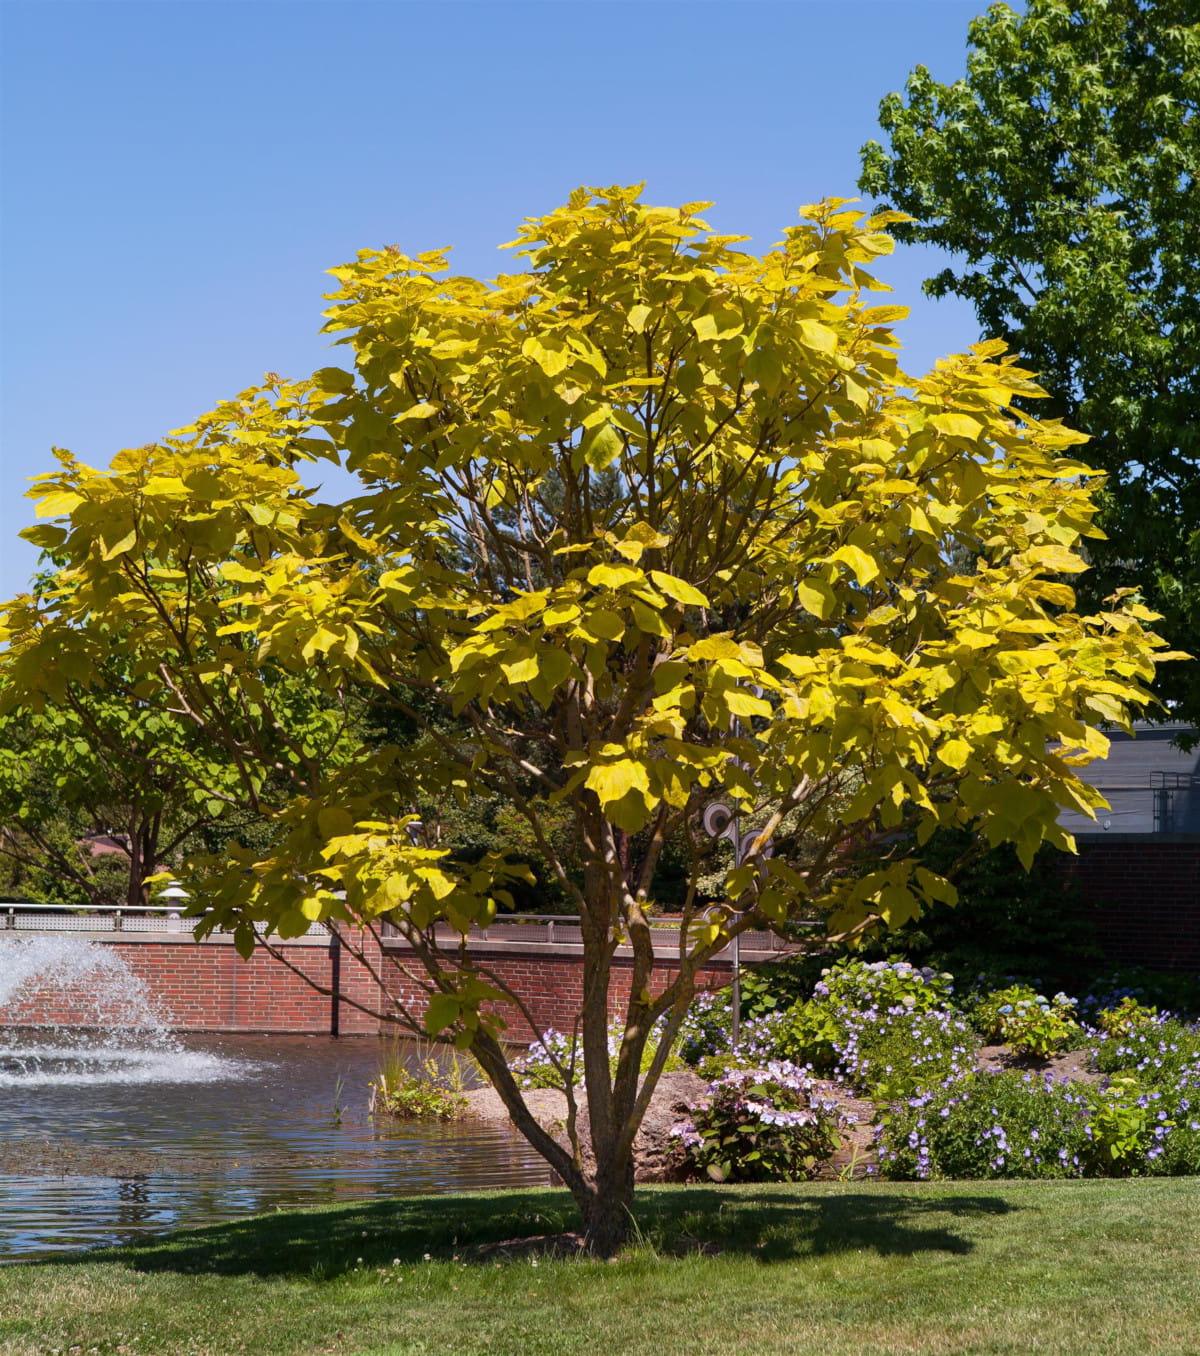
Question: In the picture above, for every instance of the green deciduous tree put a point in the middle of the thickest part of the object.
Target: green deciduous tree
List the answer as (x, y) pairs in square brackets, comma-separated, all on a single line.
[(658, 521), (1064, 174)]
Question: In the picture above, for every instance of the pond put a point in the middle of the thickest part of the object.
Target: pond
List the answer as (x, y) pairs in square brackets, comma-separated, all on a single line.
[(107, 1140)]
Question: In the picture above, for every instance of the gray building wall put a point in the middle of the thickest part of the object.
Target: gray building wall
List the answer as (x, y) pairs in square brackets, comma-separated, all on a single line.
[(1152, 786)]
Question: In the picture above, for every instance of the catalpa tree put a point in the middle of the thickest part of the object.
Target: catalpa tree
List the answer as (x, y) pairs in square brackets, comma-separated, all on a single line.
[(654, 522)]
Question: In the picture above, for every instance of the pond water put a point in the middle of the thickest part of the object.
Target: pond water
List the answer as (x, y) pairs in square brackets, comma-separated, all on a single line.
[(105, 1140)]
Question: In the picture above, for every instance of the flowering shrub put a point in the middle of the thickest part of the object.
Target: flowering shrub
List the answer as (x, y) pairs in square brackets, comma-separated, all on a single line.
[(1013, 1125), (1030, 1023), (706, 1036), (537, 1069), (894, 1054), (1155, 1051), (810, 1034), (707, 1026), (865, 1021), (858, 985), (1125, 1017), (758, 1125)]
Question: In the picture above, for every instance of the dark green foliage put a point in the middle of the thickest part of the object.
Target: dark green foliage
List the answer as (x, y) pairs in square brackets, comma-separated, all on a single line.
[(778, 985), (1008, 925), (1176, 994)]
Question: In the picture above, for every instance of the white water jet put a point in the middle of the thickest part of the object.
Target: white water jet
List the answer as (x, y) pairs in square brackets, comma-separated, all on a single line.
[(116, 1032)]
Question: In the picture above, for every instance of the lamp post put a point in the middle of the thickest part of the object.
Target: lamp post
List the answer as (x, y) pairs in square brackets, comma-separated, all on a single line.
[(174, 894)]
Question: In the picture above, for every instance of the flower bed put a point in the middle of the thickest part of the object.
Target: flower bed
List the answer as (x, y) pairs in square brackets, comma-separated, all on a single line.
[(893, 1034)]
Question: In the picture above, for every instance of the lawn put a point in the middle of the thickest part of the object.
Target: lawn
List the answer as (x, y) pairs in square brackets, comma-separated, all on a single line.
[(1066, 1266)]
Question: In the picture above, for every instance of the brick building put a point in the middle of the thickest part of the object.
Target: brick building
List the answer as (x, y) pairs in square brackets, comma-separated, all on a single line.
[(1139, 861)]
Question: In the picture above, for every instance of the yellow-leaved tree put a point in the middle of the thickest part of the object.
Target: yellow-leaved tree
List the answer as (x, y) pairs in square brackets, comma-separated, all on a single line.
[(653, 522)]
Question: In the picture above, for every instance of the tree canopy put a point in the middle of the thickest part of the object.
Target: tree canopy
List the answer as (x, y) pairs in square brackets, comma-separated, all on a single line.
[(658, 522), (1064, 174)]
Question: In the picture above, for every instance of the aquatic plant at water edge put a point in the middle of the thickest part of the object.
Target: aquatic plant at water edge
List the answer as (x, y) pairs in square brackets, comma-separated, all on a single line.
[(429, 1086)]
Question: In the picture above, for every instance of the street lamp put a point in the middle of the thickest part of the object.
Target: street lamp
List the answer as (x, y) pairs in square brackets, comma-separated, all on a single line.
[(174, 894)]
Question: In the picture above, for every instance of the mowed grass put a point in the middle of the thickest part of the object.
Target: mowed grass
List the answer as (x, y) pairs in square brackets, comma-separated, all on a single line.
[(1080, 1267)]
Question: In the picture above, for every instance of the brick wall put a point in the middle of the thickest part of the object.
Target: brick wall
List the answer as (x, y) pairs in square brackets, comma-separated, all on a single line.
[(206, 986), (1143, 898)]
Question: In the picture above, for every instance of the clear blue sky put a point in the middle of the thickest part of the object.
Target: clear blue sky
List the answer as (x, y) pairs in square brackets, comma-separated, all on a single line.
[(179, 173)]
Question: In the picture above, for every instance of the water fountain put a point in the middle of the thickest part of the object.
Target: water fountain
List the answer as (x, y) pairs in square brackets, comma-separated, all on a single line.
[(113, 1126), (105, 1027)]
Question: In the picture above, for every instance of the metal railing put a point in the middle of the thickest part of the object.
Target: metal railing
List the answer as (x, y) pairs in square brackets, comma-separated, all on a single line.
[(518, 929), (29, 916), (544, 929)]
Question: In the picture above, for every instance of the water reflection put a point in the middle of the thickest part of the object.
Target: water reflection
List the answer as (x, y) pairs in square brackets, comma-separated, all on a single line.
[(280, 1122)]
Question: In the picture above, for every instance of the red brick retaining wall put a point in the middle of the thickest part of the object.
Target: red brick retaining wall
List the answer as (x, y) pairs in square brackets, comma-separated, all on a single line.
[(206, 986)]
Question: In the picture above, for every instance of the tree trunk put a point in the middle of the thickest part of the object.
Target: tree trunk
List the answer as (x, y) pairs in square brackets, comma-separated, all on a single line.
[(608, 1211)]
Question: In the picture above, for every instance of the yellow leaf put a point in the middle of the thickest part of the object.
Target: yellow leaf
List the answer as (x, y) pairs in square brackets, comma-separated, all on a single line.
[(119, 547), (816, 596), (741, 703), (715, 647), (816, 336), (603, 447), (58, 504), (549, 352), (422, 411), (679, 589), (957, 425), (637, 317), (520, 670), (864, 567), (604, 624), (1056, 558), (612, 781), (614, 576), (955, 753)]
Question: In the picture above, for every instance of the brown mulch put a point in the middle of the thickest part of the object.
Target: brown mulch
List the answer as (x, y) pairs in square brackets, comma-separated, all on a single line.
[(1069, 1067)]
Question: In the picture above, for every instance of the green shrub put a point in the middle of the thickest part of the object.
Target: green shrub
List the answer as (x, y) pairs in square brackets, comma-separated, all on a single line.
[(859, 985), (758, 1125), (1031, 1023), (898, 1053), (1126, 1017), (1011, 1125), (1155, 1052), (810, 1033)]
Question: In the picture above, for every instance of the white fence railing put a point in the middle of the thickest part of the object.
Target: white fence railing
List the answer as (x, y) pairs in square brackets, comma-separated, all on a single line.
[(520, 929)]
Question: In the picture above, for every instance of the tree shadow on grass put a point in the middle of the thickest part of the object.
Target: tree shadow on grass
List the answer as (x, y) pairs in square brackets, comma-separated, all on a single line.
[(770, 1225), (778, 1227)]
